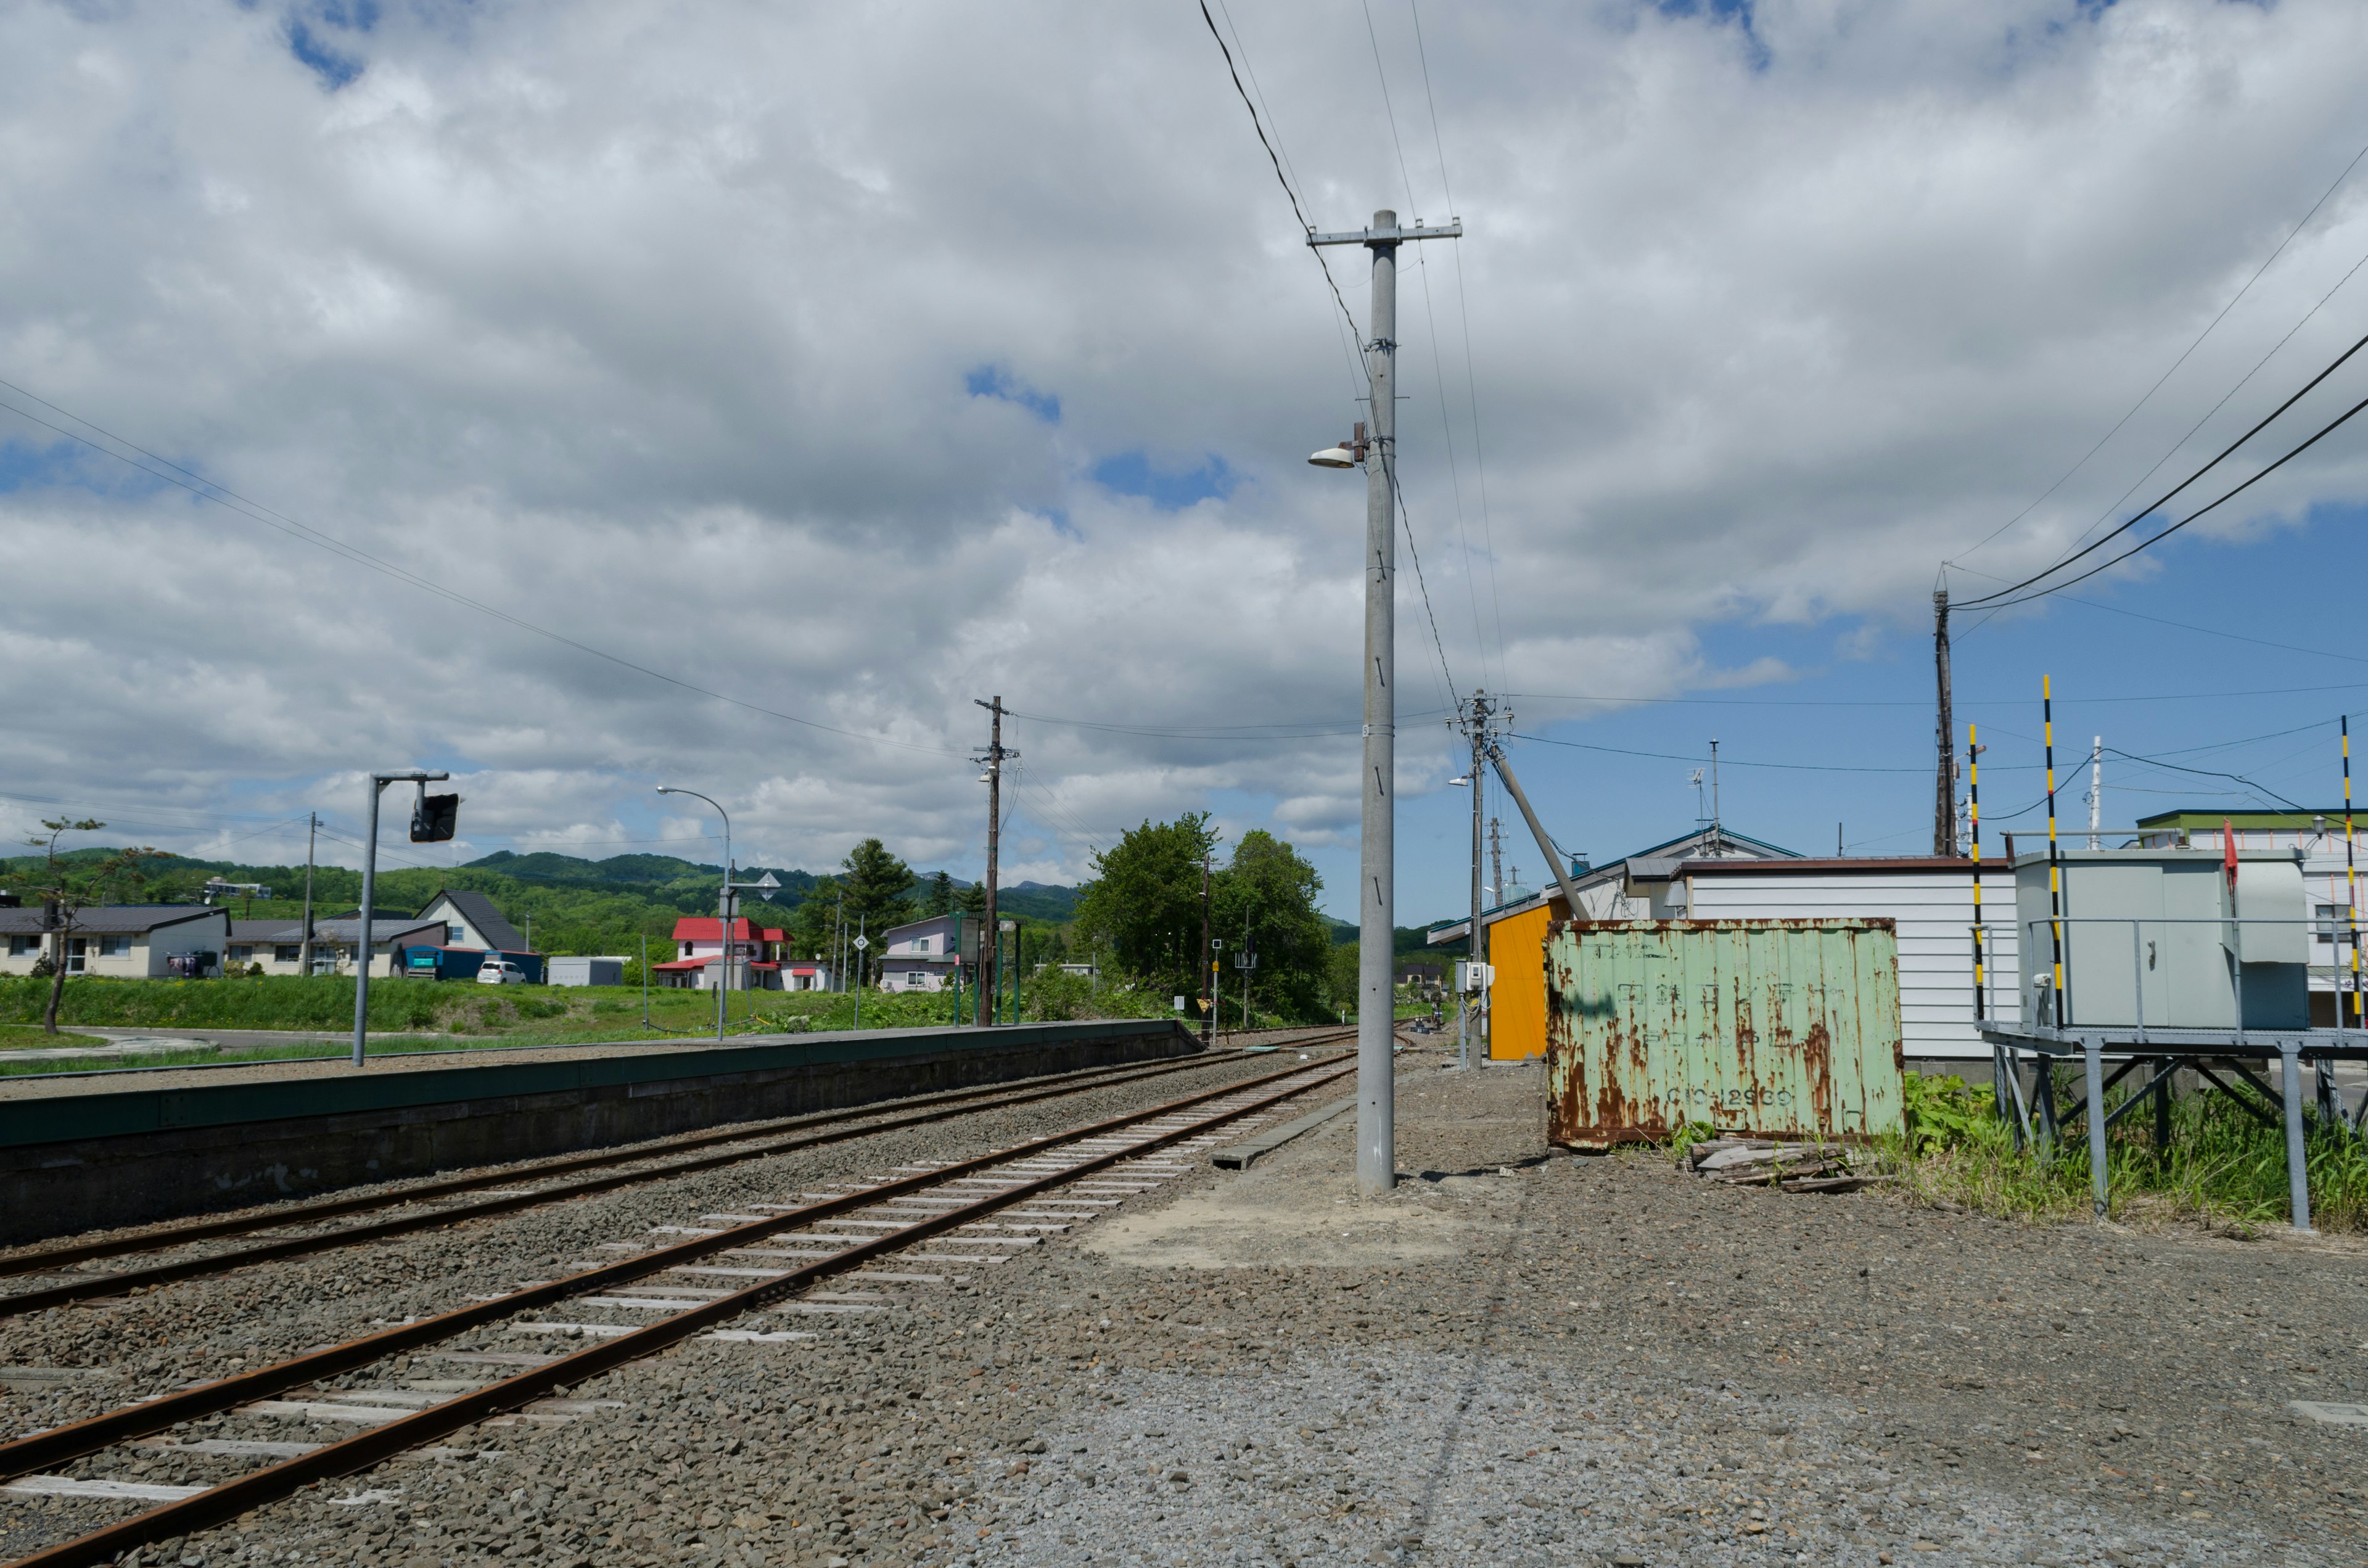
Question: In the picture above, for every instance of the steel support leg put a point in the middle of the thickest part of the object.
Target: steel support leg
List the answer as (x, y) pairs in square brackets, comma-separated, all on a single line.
[(2046, 1090), (2297, 1166), (2095, 1054), (2021, 1105), (2162, 1109)]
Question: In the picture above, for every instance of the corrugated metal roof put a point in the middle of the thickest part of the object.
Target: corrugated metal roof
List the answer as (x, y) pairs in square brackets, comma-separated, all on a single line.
[(110, 919)]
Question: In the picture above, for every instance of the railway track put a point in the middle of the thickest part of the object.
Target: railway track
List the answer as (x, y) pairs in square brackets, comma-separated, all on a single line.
[(619, 1168), (779, 1257)]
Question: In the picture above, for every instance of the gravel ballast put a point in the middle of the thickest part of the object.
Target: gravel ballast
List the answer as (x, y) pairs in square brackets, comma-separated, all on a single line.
[(1521, 1357)]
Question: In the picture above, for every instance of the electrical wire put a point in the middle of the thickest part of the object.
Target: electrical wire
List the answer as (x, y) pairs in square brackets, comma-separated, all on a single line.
[(2224, 453), (2242, 382), (2325, 430), (1259, 126), (229, 500), (1723, 761), (1470, 379), (2192, 347), (1405, 519)]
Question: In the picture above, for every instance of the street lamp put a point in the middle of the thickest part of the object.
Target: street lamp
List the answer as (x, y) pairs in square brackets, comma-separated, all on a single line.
[(723, 905)]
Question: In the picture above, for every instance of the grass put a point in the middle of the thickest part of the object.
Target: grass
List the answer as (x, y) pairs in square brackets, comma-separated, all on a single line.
[(14, 1037), (415, 1014), (2222, 1167)]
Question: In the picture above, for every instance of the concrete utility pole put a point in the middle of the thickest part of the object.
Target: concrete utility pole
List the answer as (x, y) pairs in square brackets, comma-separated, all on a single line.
[(1717, 832), (379, 781), (1376, 882), (1944, 786), (990, 967), (2096, 786), (1482, 718), (1495, 860), (1208, 960), (304, 945)]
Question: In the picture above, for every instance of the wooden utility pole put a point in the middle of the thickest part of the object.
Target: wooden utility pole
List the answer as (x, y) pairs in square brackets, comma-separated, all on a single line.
[(1944, 785), (990, 944)]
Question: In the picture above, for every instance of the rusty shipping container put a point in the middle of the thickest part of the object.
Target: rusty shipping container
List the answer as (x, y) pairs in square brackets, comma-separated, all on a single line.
[(1777, 1028)]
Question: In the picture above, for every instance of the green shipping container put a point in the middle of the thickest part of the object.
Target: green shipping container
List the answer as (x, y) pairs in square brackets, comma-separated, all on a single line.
[(1772, 1028)]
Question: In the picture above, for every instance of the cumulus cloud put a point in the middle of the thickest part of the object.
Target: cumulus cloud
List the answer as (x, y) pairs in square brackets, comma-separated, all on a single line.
[(859, 363)]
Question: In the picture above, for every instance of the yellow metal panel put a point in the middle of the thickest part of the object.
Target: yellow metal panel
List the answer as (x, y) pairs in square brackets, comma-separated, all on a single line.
[(1517, 1003)]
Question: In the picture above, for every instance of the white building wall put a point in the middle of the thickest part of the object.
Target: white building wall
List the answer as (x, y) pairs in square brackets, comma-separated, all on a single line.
[(1933, 911)]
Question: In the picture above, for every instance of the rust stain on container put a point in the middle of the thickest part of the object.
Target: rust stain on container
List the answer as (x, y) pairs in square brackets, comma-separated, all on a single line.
[(1780, 1027)]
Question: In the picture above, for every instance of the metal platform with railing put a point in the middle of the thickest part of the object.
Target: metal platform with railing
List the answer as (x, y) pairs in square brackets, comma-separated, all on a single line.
[(2149, 996)]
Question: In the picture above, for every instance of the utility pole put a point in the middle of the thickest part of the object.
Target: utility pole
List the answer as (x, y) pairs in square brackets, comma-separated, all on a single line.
[(304, 947), (1481, 718), (378, 783), (1376, 881), (1495, 860), (2096, 786), (1717, 832), (1945, 784), (1208, 960), (992, 759)]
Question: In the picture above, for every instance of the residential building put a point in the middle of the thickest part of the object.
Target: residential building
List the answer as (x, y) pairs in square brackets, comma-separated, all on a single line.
[(755, 957), (140, 942), (923, 955), (470, 920)]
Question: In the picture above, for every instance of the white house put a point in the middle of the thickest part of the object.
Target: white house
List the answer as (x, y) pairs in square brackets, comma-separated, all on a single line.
[(278, 944), (923, 955), (140, 942), (470, 920)]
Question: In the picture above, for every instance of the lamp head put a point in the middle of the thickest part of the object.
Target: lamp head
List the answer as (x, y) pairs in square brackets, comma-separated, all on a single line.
[(665, 789), (1333, 457)]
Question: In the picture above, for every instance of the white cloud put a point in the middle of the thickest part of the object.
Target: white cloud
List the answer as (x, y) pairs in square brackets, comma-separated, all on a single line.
[(656, 327)]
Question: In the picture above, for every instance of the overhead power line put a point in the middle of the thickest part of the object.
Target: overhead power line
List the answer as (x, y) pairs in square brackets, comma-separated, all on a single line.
[(231, 500), (2168, 495), (2182, 359), (1258, 125), (2324, 431)]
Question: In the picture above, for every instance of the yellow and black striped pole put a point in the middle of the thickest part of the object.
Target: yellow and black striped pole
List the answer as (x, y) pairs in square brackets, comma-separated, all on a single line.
[(2055, 862), (2350, 886), (1974, 800)]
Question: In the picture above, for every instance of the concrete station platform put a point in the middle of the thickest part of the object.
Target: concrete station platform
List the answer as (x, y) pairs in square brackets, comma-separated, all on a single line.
[(90, 1153)]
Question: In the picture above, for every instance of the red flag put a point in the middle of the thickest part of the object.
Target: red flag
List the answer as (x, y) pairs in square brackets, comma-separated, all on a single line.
[(2228, 852)]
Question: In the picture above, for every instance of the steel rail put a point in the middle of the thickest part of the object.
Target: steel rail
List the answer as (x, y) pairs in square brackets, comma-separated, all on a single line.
[(59, 1444), (228, 1501), (25, 1302), (154, 1240)]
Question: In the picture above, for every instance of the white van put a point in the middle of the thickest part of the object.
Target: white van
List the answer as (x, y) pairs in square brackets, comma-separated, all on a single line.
[(499, 970)]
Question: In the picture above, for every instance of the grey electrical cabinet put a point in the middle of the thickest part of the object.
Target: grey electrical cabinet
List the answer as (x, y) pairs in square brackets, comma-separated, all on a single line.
[(2147, 940)]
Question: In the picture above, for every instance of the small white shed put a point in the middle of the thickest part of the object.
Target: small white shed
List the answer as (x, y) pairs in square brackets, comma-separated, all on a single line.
[(1931, 904)]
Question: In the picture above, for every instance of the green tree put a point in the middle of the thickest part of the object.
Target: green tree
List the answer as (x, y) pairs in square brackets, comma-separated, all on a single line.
[(814, 925), (941, 900), (1266, 898), (1143, 906), (877, 886), (973, 899)]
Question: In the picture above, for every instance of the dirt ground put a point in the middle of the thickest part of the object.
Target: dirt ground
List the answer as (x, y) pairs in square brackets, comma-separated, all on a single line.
[(1569, 1358)]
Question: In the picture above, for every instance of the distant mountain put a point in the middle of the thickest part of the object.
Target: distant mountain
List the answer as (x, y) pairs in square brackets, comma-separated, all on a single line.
[(1038, 900)]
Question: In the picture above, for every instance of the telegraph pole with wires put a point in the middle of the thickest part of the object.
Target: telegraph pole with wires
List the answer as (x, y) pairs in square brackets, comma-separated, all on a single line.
[(1944, 785), (990, 948), (1481, 718), (304, 945), (1376, 890)]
